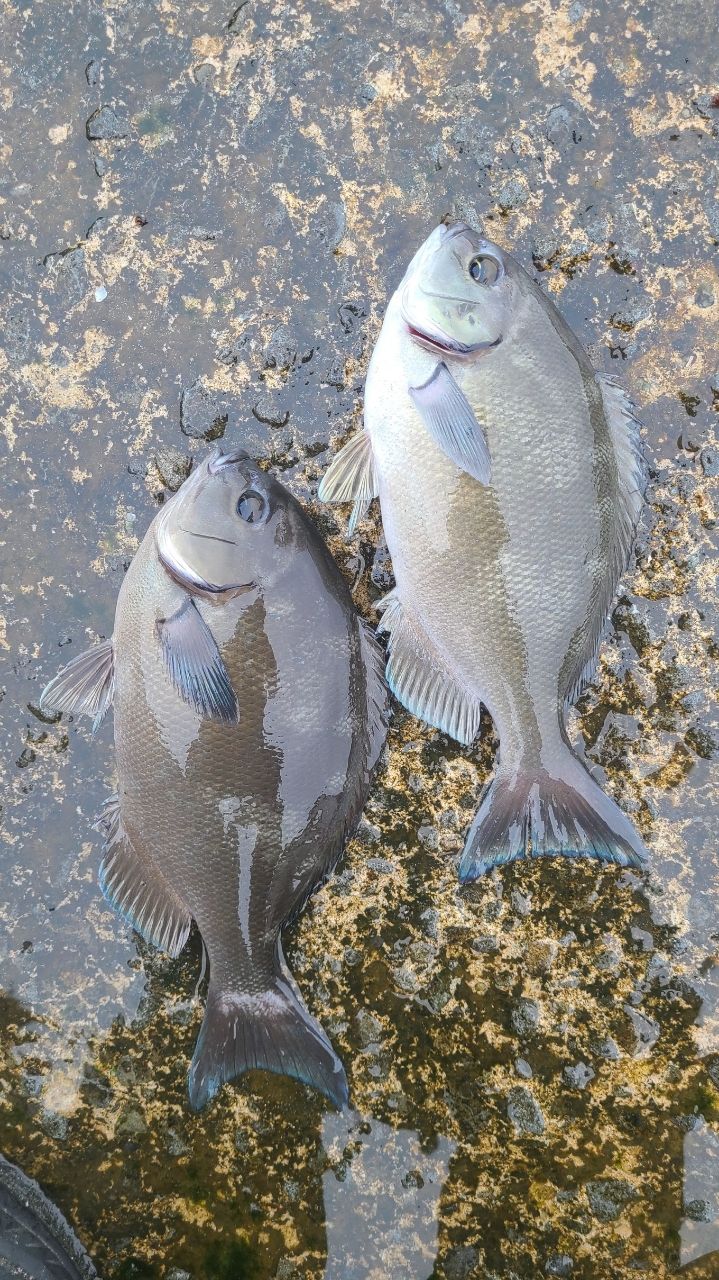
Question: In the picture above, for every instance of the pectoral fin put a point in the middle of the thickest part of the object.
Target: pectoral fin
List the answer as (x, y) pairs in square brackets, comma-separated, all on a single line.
[(85, 686), (352, 477), (450, 420), (195, 666)]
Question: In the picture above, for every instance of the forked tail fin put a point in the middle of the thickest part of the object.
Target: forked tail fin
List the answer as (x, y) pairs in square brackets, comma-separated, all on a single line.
[(270, 1030), (531, 814)]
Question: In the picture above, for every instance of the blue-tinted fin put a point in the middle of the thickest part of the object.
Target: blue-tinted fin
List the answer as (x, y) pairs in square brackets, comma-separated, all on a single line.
[(268, 1030), (137, 889), (352, 477), (450, 420), (529, 814), (418, 678), (195, 666), (85, 686)]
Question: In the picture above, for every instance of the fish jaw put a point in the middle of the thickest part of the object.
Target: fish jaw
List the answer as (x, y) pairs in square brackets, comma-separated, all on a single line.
[(443, 345)]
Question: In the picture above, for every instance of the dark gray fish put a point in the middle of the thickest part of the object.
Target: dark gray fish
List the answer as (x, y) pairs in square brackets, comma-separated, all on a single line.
[(511, 480), (249, 715), (36, 1242)]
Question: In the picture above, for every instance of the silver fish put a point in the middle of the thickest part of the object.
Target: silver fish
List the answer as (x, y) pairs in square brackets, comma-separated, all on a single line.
[(511, 479), (249, 712), (36, 1242)]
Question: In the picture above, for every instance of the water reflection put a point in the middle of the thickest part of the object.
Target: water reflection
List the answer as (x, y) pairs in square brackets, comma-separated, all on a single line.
[(381, 1200), (700, 1227), (692, 911)]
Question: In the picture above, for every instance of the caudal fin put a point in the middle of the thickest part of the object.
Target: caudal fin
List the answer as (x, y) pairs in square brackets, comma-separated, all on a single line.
[(270, 1030), (535, 815)]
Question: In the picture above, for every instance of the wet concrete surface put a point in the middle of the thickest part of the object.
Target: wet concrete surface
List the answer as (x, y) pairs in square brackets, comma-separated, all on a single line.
[(203, 209)]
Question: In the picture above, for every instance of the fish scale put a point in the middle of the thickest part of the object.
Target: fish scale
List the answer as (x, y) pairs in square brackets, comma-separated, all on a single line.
[(249, 713), (510, 480)]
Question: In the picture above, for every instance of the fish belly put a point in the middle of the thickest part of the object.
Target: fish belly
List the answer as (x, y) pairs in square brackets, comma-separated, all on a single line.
[(502, 577)]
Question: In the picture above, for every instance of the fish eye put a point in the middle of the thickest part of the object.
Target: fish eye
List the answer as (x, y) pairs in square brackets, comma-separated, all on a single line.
[(484, 270), (251, 506)]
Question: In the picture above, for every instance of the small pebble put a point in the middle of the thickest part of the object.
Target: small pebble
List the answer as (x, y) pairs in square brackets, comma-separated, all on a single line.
[(709, 459), (100, 293), (578, 1077), (428, 837), (524, 1111), (513, 194), (608, 1196), (105, 125), (525, 1016), (559, 1265)]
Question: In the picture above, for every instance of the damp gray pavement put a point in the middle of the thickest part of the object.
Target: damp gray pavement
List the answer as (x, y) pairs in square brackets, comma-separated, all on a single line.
[(203, 210)]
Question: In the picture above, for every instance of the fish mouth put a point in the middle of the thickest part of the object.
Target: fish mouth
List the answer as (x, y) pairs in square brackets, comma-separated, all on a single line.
[(220, 459), (447, 346), (191, 582)]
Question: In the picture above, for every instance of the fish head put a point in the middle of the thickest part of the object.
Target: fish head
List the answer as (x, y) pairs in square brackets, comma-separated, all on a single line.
[(457, 295), (217, 536)]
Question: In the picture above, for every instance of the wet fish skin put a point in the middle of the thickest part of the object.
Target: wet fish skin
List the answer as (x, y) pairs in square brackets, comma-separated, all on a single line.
[(249, 714), (511, 480), (36, 1242)]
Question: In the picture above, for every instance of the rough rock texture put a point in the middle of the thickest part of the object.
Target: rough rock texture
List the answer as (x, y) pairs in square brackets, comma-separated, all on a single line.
[(236, 227)]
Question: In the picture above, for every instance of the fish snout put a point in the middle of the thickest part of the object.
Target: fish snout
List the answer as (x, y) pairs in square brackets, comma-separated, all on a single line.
[(454, 230)]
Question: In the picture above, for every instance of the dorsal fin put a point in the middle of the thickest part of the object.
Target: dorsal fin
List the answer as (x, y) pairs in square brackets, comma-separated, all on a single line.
[(624, 427), (624, 430)]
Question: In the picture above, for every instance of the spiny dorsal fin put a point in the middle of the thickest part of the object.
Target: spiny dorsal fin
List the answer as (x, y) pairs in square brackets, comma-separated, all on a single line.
[(137, 889), (352, 477), (194, 664), (625, 427), (452, 424), (416, 676), (85, 686)]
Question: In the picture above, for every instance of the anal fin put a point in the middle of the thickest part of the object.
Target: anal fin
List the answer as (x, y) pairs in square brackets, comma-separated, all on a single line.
[(138, 890), (418, 678)]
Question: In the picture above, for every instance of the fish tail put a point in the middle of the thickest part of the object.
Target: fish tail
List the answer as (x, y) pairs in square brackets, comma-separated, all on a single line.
[(528, 813), (269, 1030)]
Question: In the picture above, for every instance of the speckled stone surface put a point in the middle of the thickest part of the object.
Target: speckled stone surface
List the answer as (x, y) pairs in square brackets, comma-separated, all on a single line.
[(203, 209)]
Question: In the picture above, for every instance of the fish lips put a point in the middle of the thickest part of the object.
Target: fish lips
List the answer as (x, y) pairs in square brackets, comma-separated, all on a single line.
[(442, 344), (186, 577), (438, 341)]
